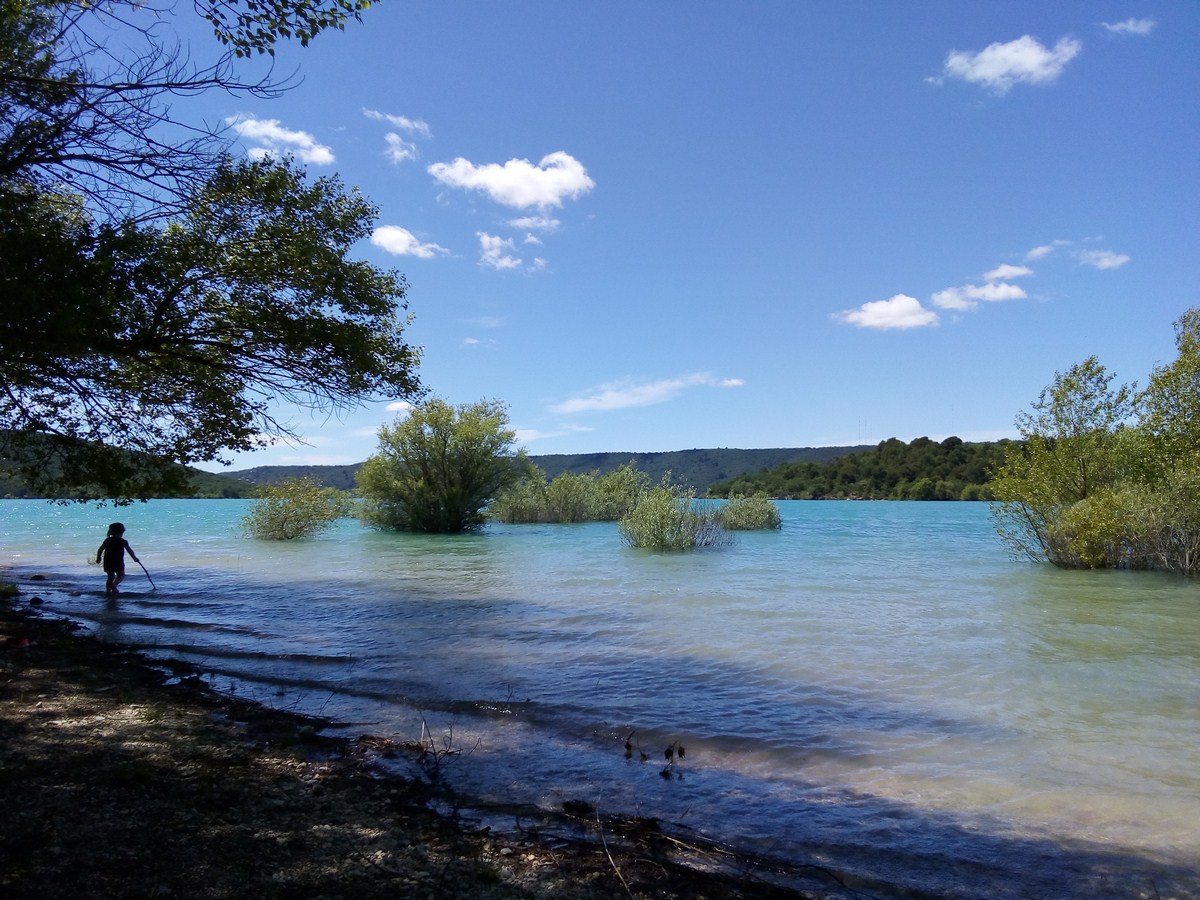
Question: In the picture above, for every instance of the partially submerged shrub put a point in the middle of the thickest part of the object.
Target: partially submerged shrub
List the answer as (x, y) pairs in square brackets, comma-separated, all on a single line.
[(523, 502), (754, 513), (571, 497), (296, 508), (618, 492), (665, 520)]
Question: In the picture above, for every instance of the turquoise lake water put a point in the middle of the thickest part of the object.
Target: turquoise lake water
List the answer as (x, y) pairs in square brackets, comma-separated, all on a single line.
[(878, 688)]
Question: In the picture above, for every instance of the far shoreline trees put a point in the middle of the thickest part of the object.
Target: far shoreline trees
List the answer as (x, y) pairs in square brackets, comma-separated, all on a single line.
[(920, 470)]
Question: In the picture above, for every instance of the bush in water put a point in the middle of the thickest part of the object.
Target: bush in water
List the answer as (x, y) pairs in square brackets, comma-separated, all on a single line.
[(296, 508), (755, 513), (666, 520)]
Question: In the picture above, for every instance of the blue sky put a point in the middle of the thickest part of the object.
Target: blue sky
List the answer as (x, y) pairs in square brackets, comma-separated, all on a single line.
[(651, 226)]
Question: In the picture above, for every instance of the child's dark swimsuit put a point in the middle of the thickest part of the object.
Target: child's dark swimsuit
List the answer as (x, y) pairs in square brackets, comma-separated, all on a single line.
[(113, 550)]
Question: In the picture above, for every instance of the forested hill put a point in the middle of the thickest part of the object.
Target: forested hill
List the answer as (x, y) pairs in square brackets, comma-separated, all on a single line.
[(697, 468), (893, 470), (340, 477)]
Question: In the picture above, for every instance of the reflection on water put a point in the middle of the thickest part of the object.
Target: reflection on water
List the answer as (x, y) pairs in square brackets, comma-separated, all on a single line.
[(877, 679)]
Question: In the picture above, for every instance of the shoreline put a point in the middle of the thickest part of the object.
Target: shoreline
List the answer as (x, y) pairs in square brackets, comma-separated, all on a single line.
[(127, 777)]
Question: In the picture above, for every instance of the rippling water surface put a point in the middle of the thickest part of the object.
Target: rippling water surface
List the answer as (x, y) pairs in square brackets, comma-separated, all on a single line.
[(877, 688)]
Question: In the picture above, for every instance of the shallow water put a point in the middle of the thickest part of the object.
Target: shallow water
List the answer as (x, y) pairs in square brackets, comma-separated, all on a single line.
[(878, 687)]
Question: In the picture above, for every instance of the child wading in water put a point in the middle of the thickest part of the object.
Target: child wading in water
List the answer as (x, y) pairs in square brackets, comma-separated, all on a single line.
[(113, 553)]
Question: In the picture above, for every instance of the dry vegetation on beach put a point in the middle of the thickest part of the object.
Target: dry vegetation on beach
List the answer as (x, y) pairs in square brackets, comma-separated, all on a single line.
[(121, 782)]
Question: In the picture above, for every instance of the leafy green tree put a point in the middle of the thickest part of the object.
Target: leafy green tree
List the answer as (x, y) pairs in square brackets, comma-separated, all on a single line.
[(1171, 402), (523, 499), (438, 469), (295, 508), (1071, 450), (571, 498), (1077, 417), (255, 26), (126, 346), (89, 92), (175, 341), (618, 491)]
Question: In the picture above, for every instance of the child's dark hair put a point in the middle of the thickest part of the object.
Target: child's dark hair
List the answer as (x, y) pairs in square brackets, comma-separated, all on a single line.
[(116, 529)]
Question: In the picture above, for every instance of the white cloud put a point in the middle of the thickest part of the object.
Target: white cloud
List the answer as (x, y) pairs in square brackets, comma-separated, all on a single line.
[(1041, 252), (401, 242), (626, 394), (1005, 271), (398, 149), (1102, 259), (519, 183), (1023, 61), (900, 311), (969, 295), (495, 252), (535, 223), (529, 435), (411, 126), (1139, 27), (487, 321), (994, 292), (953, 298), (401, 407), (273, 140)]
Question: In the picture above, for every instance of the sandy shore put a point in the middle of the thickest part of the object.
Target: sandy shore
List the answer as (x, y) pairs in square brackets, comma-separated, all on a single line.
[(120, 779)]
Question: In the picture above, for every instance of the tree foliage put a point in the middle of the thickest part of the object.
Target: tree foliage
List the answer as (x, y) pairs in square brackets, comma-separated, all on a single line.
[(174, 341), (255, 26), (1171, 402), (294, 509), (90, 93), (438, 469), (921, 470), (1107, 477), (570, 497), (156, 300)]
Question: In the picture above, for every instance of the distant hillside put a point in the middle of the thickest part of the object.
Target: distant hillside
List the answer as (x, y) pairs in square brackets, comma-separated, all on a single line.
[(340, 477), (698, 468)]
